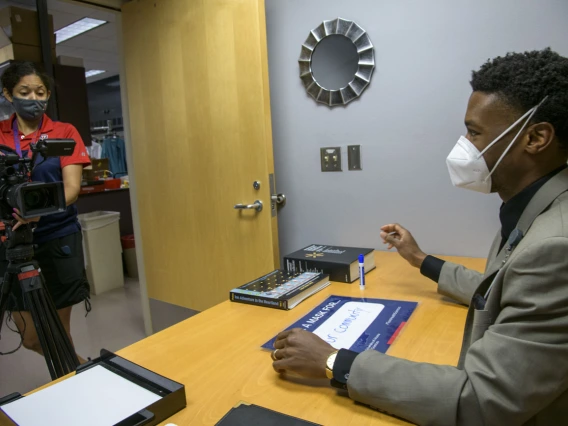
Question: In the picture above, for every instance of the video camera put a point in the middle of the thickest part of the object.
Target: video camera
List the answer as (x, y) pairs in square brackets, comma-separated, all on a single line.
[(17, 191)]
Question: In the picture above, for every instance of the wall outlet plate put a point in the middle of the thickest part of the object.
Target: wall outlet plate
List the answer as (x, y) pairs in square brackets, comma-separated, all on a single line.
[(330, 159), (354, 157)]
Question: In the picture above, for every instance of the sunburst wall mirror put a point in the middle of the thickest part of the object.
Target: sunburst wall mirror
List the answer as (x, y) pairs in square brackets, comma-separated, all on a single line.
[(336, 62)]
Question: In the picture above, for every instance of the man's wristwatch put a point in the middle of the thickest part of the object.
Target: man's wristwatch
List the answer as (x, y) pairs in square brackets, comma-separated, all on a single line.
[(329, 365)]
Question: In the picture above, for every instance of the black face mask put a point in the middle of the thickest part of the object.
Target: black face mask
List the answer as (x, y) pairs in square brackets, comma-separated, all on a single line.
[(29, 109)]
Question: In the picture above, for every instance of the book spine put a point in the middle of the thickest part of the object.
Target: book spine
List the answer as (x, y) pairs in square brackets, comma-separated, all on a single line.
[(305, 286), (336, 271), (259, 301)]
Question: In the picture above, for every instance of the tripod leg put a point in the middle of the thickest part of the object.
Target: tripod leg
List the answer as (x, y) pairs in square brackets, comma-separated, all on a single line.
[(64, 346), (5, 288), (59, 353), (47, 345)]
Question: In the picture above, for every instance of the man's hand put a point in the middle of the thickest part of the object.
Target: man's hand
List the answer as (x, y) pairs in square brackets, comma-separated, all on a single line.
[(396, 236), (301, 352)]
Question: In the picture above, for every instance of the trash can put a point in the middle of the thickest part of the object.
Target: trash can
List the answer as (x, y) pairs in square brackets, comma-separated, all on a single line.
[(103, 253), (129, 253)]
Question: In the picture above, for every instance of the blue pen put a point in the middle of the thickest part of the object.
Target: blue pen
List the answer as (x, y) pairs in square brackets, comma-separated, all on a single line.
[(362, 272)]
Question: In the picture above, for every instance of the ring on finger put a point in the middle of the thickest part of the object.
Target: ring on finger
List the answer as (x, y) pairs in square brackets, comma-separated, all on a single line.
[(273, 355)]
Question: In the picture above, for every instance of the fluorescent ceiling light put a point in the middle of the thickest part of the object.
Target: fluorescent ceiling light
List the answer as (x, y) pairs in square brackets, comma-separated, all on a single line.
[(91, 73), (76, 28)]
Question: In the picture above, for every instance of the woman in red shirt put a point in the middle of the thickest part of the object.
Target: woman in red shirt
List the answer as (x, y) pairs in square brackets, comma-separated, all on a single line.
[(59, 250)]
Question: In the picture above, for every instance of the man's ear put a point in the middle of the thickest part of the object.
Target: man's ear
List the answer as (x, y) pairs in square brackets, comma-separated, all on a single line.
[(540, 137), (7, 94)]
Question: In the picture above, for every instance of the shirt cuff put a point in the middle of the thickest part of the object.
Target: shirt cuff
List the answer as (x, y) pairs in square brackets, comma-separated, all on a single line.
[(432, 267), (342, 365)]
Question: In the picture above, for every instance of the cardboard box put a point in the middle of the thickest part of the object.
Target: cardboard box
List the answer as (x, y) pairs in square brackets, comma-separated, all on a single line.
[(96, 170), (21, 26), (70, 61), (22, 52)]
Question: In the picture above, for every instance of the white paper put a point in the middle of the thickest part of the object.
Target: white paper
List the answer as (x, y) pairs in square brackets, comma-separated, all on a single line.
[(345, 326), (95, 397)]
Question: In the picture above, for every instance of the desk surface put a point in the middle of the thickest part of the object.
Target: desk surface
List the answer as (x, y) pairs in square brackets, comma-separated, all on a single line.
[(217, 354)]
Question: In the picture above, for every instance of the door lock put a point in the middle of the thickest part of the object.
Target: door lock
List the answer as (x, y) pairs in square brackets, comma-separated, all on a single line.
[(278, 198)]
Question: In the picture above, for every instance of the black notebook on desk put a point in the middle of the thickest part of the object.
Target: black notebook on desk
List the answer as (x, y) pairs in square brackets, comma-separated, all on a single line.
[(248, 414)]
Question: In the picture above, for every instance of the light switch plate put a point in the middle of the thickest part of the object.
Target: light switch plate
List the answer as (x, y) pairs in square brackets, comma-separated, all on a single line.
[(354, 157), (330, 159)]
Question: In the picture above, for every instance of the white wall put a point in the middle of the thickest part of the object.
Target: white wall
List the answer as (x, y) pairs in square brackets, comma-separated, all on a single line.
[(407, 120)]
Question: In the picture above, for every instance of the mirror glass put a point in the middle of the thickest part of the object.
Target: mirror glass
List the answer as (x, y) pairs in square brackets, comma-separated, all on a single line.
[(334, 62)]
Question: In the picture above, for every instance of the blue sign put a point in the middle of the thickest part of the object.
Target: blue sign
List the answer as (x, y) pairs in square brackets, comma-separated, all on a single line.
[(356, 323)]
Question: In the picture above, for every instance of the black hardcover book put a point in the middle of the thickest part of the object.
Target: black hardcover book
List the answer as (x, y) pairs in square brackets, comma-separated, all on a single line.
[(280, 289), (249, 414), (340, 263)]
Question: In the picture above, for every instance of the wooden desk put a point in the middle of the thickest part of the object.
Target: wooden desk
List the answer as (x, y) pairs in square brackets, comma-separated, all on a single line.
[(217, 354)]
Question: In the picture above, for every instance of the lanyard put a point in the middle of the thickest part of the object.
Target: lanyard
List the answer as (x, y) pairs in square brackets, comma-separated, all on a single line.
[(17, 135)]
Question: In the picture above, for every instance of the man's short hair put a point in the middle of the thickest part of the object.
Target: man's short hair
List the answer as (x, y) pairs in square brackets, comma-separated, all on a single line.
[(523, 80)]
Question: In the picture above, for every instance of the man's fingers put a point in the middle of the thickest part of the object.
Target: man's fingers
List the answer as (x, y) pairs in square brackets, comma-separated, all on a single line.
[(398, 228), (388, 228), (280, 344), (393, 240), (393, 227), (281, 366), (283, 335)]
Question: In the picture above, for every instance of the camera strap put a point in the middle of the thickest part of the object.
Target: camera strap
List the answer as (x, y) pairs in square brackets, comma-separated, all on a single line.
[(17, 138)]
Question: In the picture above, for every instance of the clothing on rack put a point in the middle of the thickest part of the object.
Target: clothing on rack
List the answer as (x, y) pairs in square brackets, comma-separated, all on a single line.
[(95, 150), (115, 150)]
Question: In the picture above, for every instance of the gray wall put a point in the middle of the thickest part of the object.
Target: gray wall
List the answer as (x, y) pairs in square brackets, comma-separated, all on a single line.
[(407, 120)]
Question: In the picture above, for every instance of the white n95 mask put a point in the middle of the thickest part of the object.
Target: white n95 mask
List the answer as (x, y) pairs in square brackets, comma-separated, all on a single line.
[(467, 165)]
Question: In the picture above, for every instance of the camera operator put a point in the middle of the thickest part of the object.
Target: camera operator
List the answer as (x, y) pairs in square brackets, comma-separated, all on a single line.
[(58, 239)]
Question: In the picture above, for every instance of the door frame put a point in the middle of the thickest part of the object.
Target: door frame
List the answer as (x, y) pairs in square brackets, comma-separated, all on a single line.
[(113, 7), (144, 299)]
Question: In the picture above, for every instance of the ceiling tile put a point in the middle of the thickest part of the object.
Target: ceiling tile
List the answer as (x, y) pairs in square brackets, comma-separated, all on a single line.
[(62, 19), (65, 50), (82, 41), (104, 31), (82, 11), (108, 45), (98, 56)]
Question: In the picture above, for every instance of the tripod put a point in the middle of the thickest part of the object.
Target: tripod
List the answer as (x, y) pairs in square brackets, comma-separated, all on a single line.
[(22, 270)]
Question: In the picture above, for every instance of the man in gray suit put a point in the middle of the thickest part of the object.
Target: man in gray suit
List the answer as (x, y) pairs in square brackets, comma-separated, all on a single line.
[(513, 368)]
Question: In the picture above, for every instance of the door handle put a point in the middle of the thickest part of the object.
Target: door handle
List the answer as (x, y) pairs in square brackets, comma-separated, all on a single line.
[(257, 205)]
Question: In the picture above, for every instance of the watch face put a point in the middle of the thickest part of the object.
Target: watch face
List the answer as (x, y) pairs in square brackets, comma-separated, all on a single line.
[(331, 360)]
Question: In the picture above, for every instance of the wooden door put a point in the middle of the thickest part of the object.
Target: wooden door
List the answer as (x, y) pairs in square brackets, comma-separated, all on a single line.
[(198, 94)]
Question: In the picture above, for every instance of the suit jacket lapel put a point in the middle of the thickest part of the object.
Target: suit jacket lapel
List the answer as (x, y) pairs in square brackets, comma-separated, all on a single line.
[(493, 251), (495, 258)]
